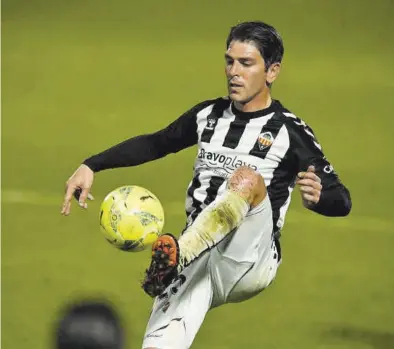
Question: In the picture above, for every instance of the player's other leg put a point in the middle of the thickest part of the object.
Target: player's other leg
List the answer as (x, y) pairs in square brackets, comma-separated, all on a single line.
[(179, 311), (244, 191)]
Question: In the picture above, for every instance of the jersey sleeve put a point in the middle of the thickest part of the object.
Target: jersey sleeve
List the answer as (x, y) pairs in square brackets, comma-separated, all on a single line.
[(335, 197), (180, 134)]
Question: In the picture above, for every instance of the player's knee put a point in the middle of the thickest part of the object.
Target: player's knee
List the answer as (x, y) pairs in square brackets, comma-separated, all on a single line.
[(249, 184)]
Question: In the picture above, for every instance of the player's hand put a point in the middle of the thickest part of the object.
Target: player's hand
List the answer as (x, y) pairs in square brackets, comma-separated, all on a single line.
[(78, 186), (310, 186)]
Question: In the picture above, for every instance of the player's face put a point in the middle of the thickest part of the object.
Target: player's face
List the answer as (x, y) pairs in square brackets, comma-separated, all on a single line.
[(246, 74)]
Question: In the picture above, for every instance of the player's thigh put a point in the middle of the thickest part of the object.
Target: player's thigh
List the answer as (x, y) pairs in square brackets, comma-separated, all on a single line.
[(258, 277), (237, 254), (179, 312)]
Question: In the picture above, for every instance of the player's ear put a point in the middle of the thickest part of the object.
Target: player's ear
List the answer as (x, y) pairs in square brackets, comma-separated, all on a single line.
[(273, 72)]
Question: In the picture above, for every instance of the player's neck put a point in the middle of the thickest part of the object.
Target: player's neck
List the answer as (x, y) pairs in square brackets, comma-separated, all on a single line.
[(259, 102)]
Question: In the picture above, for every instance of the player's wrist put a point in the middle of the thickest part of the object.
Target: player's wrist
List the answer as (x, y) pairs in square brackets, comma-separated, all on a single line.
[(89, 163)]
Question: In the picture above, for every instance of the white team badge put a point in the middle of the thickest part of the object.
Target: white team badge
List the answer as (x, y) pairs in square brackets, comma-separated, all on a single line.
[(265, 140), (211, 124)]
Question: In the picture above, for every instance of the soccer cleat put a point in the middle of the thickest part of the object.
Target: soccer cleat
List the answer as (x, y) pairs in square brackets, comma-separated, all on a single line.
[(163, 267)]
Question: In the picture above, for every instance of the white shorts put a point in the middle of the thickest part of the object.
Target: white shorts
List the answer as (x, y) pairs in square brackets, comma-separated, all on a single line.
[(238, 268)]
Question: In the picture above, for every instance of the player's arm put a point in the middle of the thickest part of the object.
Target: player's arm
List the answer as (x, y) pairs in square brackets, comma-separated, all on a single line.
[(321, 189), (180, 134)]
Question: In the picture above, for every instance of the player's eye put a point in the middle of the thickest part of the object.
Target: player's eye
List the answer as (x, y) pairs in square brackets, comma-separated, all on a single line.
[(246, 63)]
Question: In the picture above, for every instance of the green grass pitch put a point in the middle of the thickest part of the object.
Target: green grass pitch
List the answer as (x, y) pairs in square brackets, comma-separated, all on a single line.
[(79, 76)]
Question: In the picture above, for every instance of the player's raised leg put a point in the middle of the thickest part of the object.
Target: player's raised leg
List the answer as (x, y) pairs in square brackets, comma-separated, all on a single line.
[(245, 190)]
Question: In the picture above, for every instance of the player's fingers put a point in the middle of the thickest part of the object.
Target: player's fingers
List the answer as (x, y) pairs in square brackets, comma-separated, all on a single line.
[(67, 209), (78, 192), (312, 195), (83, 197), (67, 198), (304, 181), (313, 176), (311, 198), (309, 182), (310, 175), (311, 168), (308, 189)]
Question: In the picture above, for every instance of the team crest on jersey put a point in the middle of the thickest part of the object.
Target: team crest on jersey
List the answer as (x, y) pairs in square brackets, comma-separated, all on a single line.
[(265, 140), (211, 123)]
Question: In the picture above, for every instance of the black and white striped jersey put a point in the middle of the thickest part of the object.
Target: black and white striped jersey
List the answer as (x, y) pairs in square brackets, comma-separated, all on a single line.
[(272, 141)]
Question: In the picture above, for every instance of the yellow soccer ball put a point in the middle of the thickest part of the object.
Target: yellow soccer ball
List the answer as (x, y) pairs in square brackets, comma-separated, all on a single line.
[(131, 218)]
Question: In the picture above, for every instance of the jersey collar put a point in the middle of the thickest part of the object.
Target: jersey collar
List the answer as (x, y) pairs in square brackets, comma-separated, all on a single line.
[(274, 106)]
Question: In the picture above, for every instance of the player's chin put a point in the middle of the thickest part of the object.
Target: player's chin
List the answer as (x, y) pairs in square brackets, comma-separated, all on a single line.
[(236, 96)]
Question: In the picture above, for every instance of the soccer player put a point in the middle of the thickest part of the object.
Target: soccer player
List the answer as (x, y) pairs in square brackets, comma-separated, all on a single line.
[(252, 151), (89, 324)]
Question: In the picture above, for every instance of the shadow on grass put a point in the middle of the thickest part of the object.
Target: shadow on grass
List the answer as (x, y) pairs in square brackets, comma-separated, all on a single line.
[(375, 339)]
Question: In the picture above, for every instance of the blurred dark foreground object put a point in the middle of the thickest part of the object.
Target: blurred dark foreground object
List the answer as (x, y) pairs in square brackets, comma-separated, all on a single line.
[(89, 324)]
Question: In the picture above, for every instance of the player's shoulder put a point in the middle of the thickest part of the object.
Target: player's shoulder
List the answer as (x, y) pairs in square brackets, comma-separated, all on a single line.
[(287, 115), (292, 121)]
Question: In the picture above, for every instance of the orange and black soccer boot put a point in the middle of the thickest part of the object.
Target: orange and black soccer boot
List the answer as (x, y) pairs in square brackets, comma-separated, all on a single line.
[(163, 267)]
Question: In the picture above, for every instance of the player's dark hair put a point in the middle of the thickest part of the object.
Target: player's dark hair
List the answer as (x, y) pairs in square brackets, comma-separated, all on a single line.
[(89, 325), (265, 38)]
